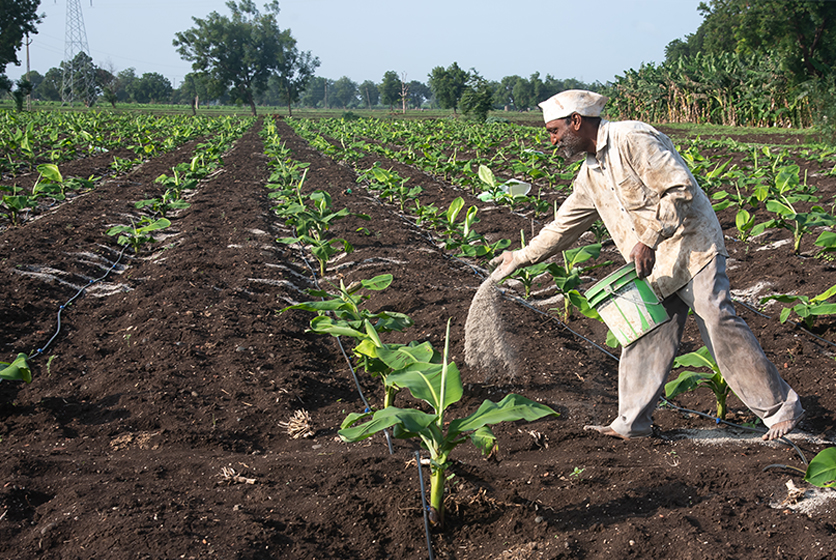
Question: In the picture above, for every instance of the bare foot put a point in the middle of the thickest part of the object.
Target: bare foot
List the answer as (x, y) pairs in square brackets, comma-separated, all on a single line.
[(605, 431), (781, 429)]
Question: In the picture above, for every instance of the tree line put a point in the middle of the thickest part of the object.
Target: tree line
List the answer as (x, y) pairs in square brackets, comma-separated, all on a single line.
[(245, 58), (764, 63)]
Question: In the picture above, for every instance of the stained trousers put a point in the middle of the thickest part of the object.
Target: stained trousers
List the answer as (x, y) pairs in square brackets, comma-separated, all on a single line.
[(645, 364)]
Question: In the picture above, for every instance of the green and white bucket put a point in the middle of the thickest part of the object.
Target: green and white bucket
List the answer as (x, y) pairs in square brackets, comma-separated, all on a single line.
[(627, 304)]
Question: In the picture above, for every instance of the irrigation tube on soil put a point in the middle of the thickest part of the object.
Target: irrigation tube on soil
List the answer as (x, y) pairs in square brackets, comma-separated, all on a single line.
[(61, 308), (424, 505), (347, 359)]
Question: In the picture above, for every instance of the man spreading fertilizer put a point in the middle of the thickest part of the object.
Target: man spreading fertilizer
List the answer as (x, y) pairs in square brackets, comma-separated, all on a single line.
[(634, 180)]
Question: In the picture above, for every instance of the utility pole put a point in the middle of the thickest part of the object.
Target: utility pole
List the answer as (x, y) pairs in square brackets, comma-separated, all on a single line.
[(28, 95), (75, 43)]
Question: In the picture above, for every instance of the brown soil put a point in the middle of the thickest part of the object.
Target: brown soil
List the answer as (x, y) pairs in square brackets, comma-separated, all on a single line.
[(152, 426)]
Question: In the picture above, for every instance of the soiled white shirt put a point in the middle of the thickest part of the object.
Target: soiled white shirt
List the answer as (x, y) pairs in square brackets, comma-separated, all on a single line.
[(643, 191)]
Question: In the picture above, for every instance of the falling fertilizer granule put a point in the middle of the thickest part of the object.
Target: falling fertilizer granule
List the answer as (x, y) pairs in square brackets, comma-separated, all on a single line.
[(485, 346)]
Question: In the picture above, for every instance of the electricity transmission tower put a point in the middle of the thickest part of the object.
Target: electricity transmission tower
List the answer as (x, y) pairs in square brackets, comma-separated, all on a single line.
[(77, 80)]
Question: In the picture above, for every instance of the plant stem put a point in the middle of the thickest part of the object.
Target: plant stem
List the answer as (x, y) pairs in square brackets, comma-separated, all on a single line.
[(437, 494)]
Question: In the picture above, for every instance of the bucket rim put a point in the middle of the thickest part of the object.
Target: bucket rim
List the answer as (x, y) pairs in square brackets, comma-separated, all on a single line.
[(599, 286)]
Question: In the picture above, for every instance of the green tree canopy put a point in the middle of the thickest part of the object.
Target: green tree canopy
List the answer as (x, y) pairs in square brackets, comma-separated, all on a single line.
[(801, 33), (477, 98), (238, 53), (151, 88), (316, 92), (343, 93), (294, 74), (49, 89), (390, 89), (369, 93), (448, 85), (17, 18), (418, 93)]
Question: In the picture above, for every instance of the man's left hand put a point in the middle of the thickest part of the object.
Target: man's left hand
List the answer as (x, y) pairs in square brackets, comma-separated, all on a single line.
[(645, 259)]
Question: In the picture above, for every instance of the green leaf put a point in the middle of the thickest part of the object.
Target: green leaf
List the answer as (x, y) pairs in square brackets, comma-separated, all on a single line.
[(827, 294), (699, 358), (687, 381), (402, 356), (50, 172), (378, 282), (785, 313), (487, 176), (424, 382), (18, 370), (455, 208), (821, 471), (484, 439), (355, 417), (511, 408), (327, 325), (827, 239), (413, 421)]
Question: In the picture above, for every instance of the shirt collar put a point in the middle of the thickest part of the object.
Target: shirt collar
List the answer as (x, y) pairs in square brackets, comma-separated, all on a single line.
[(601, 143)]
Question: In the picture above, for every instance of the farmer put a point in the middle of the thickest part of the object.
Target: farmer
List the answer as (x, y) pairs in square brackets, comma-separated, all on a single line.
[(634, 180)]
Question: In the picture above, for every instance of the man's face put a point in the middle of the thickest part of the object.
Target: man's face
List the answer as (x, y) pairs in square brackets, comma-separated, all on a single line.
[(562, 135)]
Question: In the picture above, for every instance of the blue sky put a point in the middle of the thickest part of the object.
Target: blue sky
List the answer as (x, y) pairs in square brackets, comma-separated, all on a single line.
[(363, 39)]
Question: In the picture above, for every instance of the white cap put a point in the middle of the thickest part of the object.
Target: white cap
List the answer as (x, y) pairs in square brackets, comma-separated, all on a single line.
[(561, 105)]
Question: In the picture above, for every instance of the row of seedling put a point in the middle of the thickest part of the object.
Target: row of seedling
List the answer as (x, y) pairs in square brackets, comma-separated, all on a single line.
[(185, 177), (310, 216), (50, 187), (428, 154), (30, 138)]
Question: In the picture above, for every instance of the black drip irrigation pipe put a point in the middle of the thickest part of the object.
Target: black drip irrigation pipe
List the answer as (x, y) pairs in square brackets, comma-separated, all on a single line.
[(424, 505), (347, 359), (78, 294), (798, 325)]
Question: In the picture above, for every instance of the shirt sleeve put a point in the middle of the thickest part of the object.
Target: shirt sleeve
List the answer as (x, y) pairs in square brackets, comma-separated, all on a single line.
[(663, 172), (573, 218)]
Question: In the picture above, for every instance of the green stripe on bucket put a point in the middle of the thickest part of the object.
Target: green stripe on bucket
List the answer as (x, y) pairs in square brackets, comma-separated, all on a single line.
[(632, 299)]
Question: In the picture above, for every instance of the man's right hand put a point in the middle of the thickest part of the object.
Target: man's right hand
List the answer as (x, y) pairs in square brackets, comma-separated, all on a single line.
[(505, 265)]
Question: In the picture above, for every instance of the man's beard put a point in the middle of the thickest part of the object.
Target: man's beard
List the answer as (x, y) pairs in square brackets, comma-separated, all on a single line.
[(570, 146)]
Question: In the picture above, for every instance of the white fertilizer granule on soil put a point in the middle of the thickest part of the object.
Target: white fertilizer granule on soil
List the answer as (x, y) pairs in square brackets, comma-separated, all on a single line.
[(485, 346)]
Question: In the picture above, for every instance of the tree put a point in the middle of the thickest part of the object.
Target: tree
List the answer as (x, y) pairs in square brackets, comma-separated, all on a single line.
[(477, 98), (369, 93), (78, 81), (24, 88), (418, 93), (316, 93), (192, 90), (343, 93), (295, 73), (17, 19), (390, 89), (124, 80), (238, 53), (801, 33), (108, 83), (448, 85), (49, 89), (503, 95), (151, 88), (523, 94)]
